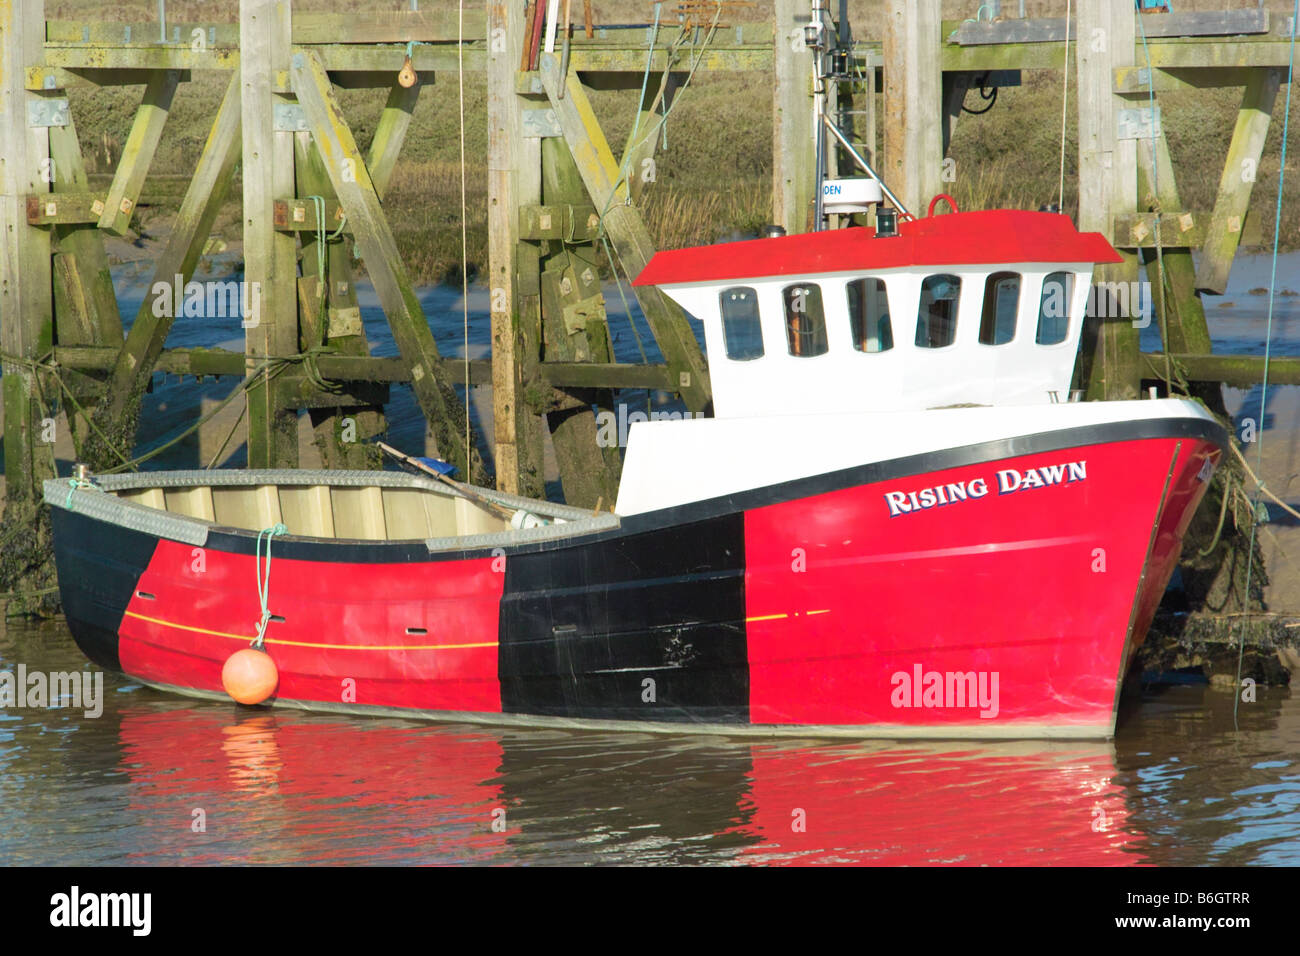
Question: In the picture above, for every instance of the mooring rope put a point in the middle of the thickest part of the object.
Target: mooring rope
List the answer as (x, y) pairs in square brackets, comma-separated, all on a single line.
[(464, 233), (670, 58), (74, 484), (1268, 353), (1065, 99), (271, 365), (264, 580)]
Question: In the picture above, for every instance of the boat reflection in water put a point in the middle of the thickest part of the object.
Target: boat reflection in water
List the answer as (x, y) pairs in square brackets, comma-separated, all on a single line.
[(287, 787)]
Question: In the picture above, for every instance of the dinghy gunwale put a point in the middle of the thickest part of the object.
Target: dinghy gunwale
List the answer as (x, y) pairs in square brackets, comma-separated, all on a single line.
[(189, 529)]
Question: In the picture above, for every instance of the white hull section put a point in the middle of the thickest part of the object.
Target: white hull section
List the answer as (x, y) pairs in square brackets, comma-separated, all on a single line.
[(730, 455)]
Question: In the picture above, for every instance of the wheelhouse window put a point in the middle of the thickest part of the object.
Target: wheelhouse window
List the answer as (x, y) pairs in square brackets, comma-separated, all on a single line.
[(936, 319), (805, 320), (1054, 309), (741, 331), (1001, 302), (869, 315)]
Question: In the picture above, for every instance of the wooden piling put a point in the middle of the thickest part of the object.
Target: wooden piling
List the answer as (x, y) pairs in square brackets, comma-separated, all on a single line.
[(914, 146), (270, 257), (514, 181), (1238, 181), (138, 152), (1106, 33), (575, 330), (342, 434), (793, 146), (26, 327)]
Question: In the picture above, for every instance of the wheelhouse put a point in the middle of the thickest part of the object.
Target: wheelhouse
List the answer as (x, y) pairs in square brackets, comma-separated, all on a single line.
[(981, 308)]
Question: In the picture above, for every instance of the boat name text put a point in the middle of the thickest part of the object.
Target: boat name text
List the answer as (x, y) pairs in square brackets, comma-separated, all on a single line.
[(1009, 481)]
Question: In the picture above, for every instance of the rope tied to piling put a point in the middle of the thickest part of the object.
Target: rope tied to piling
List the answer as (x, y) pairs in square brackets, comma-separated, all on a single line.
[(264, 579)]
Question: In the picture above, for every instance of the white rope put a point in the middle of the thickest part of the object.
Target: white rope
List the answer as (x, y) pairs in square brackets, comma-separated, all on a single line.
[(1065, 99), (464, 229)]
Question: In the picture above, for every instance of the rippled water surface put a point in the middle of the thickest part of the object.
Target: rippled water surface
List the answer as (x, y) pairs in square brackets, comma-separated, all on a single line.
[(1178, 785)]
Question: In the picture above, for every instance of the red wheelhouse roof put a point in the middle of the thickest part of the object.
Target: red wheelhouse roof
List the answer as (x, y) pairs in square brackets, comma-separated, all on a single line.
[(992, 237)]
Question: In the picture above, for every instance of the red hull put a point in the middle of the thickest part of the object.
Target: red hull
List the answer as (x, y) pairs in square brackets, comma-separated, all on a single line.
[(1039, 587), (858, 608)]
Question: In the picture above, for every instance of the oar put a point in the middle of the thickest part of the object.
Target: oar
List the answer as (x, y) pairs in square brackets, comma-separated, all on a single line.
[(464, 490), (564, 56)]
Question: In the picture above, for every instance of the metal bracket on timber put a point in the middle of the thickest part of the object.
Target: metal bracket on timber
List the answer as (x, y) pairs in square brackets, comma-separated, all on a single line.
[(1178, 230), (626, 228), (356, 191)]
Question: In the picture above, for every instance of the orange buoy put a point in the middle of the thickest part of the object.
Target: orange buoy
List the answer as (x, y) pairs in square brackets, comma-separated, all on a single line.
[(250, 676)]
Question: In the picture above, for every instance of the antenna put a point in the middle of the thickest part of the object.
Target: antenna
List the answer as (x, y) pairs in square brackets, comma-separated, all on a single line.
[(832, 51)]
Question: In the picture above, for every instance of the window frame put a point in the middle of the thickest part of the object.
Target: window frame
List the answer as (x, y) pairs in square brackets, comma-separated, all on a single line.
[(1067, 318), (787, 317), (923, 320), (757, 322), (991, 282), (888, 316)]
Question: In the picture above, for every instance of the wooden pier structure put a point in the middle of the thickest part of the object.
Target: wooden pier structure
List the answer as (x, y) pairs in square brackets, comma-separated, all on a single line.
[(559, 195)]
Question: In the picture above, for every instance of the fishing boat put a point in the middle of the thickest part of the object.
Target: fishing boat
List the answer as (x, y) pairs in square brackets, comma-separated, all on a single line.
[(897, 522)]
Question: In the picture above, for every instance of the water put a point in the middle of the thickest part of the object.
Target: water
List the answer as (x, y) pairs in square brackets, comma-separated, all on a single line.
[(1177, 786)]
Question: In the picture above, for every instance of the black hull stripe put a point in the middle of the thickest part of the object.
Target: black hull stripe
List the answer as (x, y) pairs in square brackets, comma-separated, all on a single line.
[(647, 626)]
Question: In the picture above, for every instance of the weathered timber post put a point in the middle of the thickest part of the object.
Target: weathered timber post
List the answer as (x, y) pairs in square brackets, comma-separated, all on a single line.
[(1176, 303), (1105, 38), (575, 330), (85, 303), (514, 181), (914, 144), (26, 327), (1215, 580), (119, 409), (342, 435), (627, 230), (794, 153), (270, 257), (1224, 233), (138, 153)]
